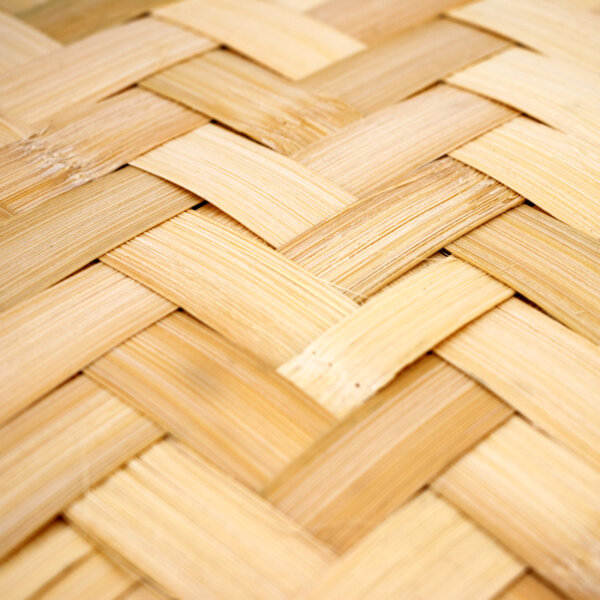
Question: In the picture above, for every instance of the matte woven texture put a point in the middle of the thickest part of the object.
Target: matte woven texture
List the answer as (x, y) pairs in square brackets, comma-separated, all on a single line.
[(300, 299)]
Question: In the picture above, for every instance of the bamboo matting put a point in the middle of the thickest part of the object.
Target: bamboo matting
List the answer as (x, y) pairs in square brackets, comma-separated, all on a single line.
[(300, 299)]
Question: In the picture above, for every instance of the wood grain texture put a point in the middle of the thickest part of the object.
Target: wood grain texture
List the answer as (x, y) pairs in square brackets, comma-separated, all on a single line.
[(260, 300), (95, 67), (288, 42), (94, 141), (354, 358), (272, 195), (530, 587), (266, 107), (426, 549), (547, 372), (394, 69), (213, 397), (42, 561), (373, 241), (553, 90), (209, 524), (54, 239), (558, 172), (560, 29), (370, 155), (402, 438), (56, 450), (54, 334), (538, 499), (547, 261)]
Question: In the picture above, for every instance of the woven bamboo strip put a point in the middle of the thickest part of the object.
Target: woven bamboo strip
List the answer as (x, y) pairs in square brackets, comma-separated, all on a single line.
[(270, 194), (530, 588), (537, 498), (404, 436), (53, 240), (290, 43), (373, 241), (103, 138), (425, 550), (252, 100), (176, 370), (41, 339), (209, 526), (552, 90), (354, 358), (300, 5), (95, 67), (20, 43), (42, 561), (391, 71), (376, 20), (555, 28), (145, 592), (556, 171), (260, 300), (14, 6), (70, 20), (41, 452), (370, 155), (94, 578), (543, 369), (515, 248)]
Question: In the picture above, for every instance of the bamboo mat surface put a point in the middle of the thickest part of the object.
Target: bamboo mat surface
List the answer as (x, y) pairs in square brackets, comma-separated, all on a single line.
[(300, 299)]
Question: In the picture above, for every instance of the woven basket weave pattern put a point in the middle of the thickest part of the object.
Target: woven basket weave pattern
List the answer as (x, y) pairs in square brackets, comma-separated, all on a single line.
[(300, 299)]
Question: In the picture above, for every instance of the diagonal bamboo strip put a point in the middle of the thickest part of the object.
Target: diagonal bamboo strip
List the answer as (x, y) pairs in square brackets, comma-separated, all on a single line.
[(252, 100), (354, 477), (41, 337), (290, 43), (176, 370), (515, 248), (530, 587), (537, 498), (558, 172), (368, 156), (353, 359), (397, 68), (547, 372), (373, 241)]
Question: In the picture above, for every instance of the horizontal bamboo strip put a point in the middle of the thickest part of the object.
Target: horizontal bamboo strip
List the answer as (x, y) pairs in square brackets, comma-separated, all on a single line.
[(555, 28), (209, 527), (552, 90), (213, 397), (552, 169), (368, 156), (428, 550), (515, 248), (537, 498), (353, 359), (353, 478), (252, 100), (376, 20), (540, 367), (70, 20), (103, 138), (272, 195), (530, 587), (249, 293), (288, 42), (366, 246), (94, 578), (20, 43), (41, 561), (397, 68), (54, 334), (53, 240), (95, 67), (56, 450)]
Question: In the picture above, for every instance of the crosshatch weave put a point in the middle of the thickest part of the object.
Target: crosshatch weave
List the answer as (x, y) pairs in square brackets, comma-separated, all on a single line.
[(300, 299)]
